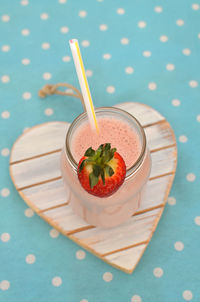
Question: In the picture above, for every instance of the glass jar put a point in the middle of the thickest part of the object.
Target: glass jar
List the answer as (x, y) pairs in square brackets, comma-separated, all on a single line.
[(113, 210)]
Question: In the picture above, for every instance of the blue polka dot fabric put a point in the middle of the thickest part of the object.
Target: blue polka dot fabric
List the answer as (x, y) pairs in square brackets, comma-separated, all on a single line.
[(135, 51)]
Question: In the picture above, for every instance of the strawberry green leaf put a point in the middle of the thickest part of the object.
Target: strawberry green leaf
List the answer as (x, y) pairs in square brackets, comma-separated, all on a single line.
[(107, 157), (107, 146), (109, 170), (89, 152), (93, 180), (112, 152), (97, 154), (100, 147), (96, 170), (82, 165), (103, 176)]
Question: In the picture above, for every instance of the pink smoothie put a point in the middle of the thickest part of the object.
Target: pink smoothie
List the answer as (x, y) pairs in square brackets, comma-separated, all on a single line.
[(111, 130)]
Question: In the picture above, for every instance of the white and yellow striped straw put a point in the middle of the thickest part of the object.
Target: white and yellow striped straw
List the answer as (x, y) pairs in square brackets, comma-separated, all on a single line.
[(80, 70)]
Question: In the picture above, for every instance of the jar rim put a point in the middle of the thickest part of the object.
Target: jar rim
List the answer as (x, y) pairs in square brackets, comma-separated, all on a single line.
[(114, 110)]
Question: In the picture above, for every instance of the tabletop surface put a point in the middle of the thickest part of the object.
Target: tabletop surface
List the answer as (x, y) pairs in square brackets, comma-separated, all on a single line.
[(133, 51)]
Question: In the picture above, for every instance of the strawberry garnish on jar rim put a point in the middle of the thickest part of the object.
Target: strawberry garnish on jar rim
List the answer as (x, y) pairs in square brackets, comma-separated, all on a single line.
[(101, 172)]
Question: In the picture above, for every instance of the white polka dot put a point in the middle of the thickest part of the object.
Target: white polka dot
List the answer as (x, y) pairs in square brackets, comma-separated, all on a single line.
[(56, 281), (152, 86), (124, 41), (158, 9), (80, 255), (48, 111), (5, 18), (120, 11), (183, 139), (5, 237), (163, 38), (62, 1), (197, 220), (195, 6), (5, 79), (107, 277), (191, 177), (64, 29), (54, 233), (82, 14), (107, 56), (44, 16), (170, 67), (5, 152), (198, 35), (158, 272), (66, 59), (5, 48), (45, 45), (193, 84), (176, 102), (27, 95), (89, 73), (179, 246), (187, 295), (26, 61), (85, 43), (25, 32), (136, 298), (142, 24), (110, 89), (5, 114), (5, 192), (47, 76), (129, 70), (146, 53), (103, 27), (198, 118), (179, 22), (171, 200), (30, 259), (186, 51), (4, 285), (84, 300), (29, 212), (24, 2)]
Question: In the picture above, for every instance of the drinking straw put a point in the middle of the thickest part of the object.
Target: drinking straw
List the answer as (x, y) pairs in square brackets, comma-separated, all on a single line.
[(80, 70)]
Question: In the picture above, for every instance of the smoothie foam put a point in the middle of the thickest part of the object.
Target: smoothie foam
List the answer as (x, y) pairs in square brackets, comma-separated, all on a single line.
[(112, 130)]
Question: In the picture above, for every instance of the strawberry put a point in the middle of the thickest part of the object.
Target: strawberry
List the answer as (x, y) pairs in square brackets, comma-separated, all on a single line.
[(101, 172)]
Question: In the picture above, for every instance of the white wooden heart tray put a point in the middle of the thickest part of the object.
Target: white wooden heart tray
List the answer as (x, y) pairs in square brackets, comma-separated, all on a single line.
[(35, 171)]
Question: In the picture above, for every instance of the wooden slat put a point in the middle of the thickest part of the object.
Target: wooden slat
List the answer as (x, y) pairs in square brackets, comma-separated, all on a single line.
[(144, 114), (127, 259), (151, 200), (40, 139), (65, 219), (159, 136), (163, 162), (38, 170), (47, 195), (136, 230)]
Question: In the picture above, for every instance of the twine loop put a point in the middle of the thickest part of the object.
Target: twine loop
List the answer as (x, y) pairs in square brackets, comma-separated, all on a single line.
[(50, 89)]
